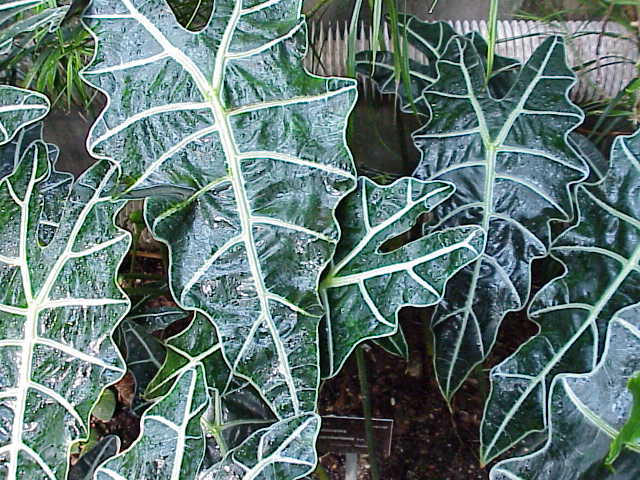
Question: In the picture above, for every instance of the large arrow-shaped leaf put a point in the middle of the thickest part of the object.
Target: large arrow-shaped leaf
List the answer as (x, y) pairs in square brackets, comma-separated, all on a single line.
[(58, 306), (512, 169), (586, 412), (254, 148), (365, 288), (601, 255)]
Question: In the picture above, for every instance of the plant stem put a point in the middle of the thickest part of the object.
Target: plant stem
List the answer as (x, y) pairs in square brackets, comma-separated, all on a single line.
[(483, 383), (321, 473), (134, 249), (366, 407), (400, 54), (216, 433), (352, 40), (492, 38)]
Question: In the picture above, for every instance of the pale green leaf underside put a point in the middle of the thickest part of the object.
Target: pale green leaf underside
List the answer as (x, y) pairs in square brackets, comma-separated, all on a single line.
[(229, 115), (512, 168), (601, 255), (586, 412), (18, 108), (364, 289), (58, 306)]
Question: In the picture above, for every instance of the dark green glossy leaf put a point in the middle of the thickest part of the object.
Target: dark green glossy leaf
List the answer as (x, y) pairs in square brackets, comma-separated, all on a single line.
[(513, 169), (429, 39), (474, 127), (143, 354), (395, 344), (198, 344), (236, 409), (365, 288), (283, 450), (154, 319), (229, 113), (586, 411), (595, 159), (235, 414), (11, 152), (58, 306), (601, 255), (52, 191)]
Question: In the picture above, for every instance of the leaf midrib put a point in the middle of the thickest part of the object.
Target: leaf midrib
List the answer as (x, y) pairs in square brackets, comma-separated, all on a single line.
[(355, 278), (258, 468), (30, 326), (492, 148)]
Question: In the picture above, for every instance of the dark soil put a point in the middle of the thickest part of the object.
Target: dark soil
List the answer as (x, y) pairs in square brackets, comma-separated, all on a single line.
[(429, 442)]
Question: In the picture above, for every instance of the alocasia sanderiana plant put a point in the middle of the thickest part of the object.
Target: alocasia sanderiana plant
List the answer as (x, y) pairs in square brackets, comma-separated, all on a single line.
[(504, 146), (516, 131), (245, 154), (586, 412), (281, 258), (601, 256)]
